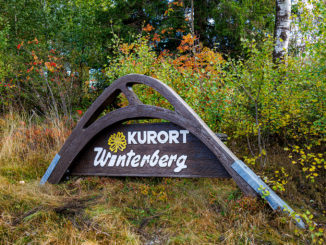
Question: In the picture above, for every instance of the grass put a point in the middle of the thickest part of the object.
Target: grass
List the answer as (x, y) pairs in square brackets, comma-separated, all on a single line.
[(95, 210)]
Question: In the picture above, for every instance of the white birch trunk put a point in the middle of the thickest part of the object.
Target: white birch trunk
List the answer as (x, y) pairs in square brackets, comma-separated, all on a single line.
[(282, 28)]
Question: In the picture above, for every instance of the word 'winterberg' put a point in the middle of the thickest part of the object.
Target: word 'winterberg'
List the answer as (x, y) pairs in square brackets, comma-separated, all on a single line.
[(134, 160), (106, 158)]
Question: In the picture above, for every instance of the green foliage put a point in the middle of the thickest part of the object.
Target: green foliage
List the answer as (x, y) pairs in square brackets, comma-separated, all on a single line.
[(315, 232), (4, 30), (286, 102), (229, 21), (40, 82)]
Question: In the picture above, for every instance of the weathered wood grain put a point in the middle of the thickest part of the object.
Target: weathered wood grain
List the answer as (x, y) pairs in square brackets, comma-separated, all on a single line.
[(201, 162), (88, 127)]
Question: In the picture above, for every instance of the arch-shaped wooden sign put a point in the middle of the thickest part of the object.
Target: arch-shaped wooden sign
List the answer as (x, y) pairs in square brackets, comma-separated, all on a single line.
[(185, 147)]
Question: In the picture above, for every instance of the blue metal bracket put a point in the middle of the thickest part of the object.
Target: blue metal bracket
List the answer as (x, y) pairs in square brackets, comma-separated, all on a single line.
[(50, 169), (264, 190)]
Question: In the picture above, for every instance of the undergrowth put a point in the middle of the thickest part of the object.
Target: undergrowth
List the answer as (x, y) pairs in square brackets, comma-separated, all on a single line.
[(95, 210)]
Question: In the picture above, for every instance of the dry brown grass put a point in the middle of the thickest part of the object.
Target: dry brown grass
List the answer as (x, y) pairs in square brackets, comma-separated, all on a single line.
[(120, 210)]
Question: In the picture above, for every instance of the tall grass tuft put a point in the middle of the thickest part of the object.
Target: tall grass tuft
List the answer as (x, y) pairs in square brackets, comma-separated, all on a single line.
[(28, 143)]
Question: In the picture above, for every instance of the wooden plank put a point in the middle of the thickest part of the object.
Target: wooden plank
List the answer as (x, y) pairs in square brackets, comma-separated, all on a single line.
[(198, 160), (50, 169), (264, 190)]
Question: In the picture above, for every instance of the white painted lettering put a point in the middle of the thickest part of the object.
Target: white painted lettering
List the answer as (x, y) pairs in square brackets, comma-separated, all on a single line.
[(172, 158), (99, 151), (151, 135), (184, 135), (135, 161), (121, 161), (180, 163), (131, 159), (102, 161), (154, 159), (163, 161), (143, 140), (173, 136), (112, 160), (130, 154), (131, 138), (165, 137), (144, 160)]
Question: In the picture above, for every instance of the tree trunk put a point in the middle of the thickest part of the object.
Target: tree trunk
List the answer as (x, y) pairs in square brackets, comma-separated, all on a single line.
[(201, 25), (282, 29), (192, 19), (193, 26)]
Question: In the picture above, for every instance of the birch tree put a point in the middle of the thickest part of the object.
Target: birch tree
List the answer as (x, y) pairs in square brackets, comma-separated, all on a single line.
[(282, 29)]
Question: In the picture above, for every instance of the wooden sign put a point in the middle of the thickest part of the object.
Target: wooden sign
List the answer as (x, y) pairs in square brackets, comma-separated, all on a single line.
[(157, 149), (185, 147)]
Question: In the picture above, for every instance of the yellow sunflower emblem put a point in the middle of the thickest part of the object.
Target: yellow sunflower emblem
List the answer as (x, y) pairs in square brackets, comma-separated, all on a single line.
[(117, 142)]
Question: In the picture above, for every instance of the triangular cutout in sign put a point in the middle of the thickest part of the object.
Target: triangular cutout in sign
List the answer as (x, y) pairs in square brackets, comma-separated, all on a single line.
[(185, 147)]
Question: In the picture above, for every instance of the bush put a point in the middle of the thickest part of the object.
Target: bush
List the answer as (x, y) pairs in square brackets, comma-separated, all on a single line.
[(40, 82)]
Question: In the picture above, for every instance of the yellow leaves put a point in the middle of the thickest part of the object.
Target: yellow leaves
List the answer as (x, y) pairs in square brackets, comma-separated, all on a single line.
[(126, 48), (144, 190), (251, 160), (279, 180), (188, 39), (154, 193), (49, 67), (263, 192), (311, 163)]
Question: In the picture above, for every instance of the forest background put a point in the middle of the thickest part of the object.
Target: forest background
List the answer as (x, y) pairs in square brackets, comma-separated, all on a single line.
[(56, 57)]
